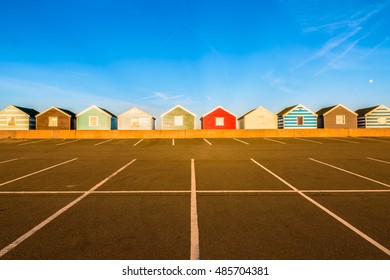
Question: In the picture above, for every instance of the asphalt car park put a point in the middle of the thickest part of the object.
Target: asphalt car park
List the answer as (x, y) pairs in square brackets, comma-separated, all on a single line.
[(255, 198)]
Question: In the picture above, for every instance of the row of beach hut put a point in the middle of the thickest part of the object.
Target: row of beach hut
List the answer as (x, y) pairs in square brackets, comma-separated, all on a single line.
[(178, 118)]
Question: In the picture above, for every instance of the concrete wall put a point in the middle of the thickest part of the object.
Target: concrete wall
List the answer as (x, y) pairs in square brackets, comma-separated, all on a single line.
[(211, 133)]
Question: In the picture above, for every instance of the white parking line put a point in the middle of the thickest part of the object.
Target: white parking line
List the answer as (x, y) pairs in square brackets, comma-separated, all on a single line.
[(371, 159), (5, 161), (352, 173), (207, 142), (173, 142), (276, 141), (36, 172), (100, 143), (326, 210), (341, 140), (194, 217), (28, 234), (33, 142), (241, 141), (307, 140), (65, 143), (370, 139), (138, 142)]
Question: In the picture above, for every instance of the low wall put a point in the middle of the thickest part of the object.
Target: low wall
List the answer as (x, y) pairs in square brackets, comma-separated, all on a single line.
[(209, 133)]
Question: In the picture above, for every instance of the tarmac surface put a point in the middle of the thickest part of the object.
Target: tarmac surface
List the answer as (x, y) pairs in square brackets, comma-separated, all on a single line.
[(266, 198)]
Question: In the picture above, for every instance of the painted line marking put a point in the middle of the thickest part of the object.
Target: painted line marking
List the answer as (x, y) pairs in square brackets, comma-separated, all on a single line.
[(28, 234), (307, 140), (371, 159), (100, 143), (9, 160), (370, 139), (352, 173), (39, 171), (194, 217), (341, 140), (188, 192), (65, 143), (329, 212), (138, 142), (173, 142), (276, 141), (241, 141), (207, 142), (33, 142)]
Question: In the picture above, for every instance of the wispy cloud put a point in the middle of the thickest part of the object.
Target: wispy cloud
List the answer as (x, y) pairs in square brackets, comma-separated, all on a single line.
[(344, 31), (162, 96), (277, 82), (332, 64)]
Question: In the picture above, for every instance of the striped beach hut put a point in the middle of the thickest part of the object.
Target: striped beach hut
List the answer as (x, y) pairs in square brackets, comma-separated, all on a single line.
[(96, 118), (178, 118), (259, 118), (337, 116), (297, 116), (17, 118), (374, 117)]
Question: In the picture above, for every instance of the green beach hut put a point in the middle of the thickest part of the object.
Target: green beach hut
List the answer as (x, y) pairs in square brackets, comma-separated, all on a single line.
[(96, 118)]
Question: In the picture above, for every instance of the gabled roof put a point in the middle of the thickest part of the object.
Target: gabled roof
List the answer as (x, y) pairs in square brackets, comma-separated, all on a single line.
[(64, 111), (364, 111), (139, 110), (178, 106), (327, 110), (216, 108), (28, 111), (260, 107), (98, 108), (288, 109)]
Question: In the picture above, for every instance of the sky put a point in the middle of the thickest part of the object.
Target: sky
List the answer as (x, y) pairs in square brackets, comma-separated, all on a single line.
[(156, 54)]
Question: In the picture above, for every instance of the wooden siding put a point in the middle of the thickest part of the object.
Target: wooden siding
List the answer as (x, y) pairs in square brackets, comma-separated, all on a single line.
[(329, 120), (64, 122), (104, 121), (168, 120), (290, 119), (136, 119), (22, 121), (259, 118), (372, 119)]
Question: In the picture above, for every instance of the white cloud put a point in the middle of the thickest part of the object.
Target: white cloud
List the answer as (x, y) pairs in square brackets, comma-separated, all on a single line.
[(162, 96)]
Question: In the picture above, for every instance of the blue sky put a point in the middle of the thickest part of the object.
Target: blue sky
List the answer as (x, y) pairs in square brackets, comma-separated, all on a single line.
[(156, 54)]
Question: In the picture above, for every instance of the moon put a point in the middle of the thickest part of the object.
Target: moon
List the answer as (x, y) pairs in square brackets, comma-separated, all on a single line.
[(370, 81)]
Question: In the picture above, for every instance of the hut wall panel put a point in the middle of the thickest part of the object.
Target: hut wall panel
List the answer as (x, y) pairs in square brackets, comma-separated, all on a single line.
[(350, 119)]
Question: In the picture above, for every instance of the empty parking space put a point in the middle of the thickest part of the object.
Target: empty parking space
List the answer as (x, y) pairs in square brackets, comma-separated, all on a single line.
[(147, 175), (114, 227), (274, 227), (20, 213), (233, 175), (199, 198), (367, 211)]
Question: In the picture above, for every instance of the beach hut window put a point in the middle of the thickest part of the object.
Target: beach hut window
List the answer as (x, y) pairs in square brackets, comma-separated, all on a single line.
[(134, 122), (53, 121), (260, 119), (340, 119), (178, 121), (300, 120), (93, 121), (219, 121), (11, 121), (382, 120)]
